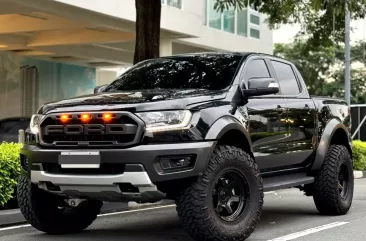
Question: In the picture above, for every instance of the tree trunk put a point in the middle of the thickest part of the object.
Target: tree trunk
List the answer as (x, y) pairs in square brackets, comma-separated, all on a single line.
[(148, 13)]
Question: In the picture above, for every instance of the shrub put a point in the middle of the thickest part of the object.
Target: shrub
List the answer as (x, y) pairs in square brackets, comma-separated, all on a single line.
[(359, 155), (9, 170)]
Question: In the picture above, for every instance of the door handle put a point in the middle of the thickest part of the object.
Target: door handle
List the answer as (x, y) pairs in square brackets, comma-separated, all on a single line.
[(307, 108), (280, 109)]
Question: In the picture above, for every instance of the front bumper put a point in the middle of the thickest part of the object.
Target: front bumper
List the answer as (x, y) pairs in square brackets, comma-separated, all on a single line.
[(142, 171)]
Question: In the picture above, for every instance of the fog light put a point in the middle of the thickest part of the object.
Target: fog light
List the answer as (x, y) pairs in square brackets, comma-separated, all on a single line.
[(173, 163)]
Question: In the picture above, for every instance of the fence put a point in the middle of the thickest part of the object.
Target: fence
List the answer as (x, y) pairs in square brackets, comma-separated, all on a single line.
[(358, 114)]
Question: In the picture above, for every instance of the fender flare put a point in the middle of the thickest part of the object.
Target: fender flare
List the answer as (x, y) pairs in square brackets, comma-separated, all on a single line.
[(225, 124), (325, 140)]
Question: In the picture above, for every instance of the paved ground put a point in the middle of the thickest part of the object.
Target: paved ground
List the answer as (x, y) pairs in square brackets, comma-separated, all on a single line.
[(288, 215)]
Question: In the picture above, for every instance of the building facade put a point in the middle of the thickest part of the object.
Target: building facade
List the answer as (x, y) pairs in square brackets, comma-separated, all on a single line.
[(54, 49)]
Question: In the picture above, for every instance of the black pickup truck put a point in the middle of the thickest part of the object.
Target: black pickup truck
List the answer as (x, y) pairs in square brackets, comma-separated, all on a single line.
[(212, 131)]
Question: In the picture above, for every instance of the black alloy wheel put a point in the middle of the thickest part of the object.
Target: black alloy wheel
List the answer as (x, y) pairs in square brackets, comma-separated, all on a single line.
[(230, 195)]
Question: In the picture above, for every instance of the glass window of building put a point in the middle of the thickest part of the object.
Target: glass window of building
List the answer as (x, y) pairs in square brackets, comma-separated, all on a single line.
[(175, 3), (254, 19), (242, 22), (245, 22), (214, 16), (255, 33), (204, 13), (229, 20)]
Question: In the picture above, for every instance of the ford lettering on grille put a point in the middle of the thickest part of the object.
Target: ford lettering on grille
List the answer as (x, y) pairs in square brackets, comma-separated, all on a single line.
[(109, 129)]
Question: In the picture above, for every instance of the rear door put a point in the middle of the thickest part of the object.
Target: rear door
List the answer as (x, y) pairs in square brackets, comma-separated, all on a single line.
[(301, 117), (268, 131)]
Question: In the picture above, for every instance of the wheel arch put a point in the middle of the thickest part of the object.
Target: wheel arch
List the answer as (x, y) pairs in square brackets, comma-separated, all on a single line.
[(229, 131), (335, 132)]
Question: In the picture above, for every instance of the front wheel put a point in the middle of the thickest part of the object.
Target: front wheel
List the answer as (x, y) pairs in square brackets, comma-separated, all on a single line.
[(334, 185), (226, 202), (48, 213)]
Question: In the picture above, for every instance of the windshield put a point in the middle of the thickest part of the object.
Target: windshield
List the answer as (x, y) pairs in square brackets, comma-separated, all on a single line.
[(204, 71)]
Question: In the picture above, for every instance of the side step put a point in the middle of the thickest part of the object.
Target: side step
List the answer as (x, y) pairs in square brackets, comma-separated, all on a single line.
[(286, 181)]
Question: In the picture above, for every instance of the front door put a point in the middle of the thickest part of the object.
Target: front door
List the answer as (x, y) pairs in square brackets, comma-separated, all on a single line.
[(267, 120)]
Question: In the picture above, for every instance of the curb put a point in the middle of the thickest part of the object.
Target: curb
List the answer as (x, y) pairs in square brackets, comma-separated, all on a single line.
[(15, 217), (359, 174)]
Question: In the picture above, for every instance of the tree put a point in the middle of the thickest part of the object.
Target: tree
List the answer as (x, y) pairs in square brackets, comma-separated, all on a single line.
[(358, 53), (358, 85), (323, 71), (148, 15), (314, 16), (314, 65)]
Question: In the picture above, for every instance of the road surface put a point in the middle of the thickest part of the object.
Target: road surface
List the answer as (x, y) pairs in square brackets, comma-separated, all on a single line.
[(288, 215)]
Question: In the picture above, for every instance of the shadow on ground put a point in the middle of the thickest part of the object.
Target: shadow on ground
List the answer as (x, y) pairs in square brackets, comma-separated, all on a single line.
[(165, 226)]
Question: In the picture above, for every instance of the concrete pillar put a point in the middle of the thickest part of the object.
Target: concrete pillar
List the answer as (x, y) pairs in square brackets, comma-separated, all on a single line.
[(166, 47)]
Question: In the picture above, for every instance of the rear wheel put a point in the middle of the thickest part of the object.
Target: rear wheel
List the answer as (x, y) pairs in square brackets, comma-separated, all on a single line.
[(50, 214), (334, 185), (226, 202)]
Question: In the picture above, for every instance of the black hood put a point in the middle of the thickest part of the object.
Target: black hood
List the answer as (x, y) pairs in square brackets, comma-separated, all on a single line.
[(146, 100)]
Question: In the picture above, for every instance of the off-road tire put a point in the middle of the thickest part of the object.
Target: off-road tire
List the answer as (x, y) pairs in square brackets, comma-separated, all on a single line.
[(40, 209), (327, 197), (195, 207)]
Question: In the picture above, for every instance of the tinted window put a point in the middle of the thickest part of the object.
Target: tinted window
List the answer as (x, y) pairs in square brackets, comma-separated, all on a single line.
[(257, 69), (286, 78), (12, 127), (213, 72)]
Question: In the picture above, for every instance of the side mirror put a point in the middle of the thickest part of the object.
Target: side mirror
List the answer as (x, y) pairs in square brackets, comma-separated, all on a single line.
[(99, 88), (261, 86)]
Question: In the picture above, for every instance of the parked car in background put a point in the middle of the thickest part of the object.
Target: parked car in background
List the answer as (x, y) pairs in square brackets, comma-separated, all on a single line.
[(9, 128)]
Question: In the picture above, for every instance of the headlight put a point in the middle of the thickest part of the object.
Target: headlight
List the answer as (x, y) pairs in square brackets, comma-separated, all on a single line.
[(166, 120), (34, 123)]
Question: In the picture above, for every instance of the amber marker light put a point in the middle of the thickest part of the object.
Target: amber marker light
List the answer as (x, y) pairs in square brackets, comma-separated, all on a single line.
[(85, 117), (107, 117), (64, 118)]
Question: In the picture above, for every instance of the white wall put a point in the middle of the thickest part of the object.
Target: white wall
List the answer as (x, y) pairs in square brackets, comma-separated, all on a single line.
[(105, 76)]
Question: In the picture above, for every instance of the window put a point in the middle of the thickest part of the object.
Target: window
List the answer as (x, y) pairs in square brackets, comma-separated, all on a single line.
[(245, 22), (204, 14), (173, 3), (286, 78), (255, 28), (254, 19), (210, 72), (12, 127), (229, 21), (257, 69), (254, 33), (214, 17), (242, 24)]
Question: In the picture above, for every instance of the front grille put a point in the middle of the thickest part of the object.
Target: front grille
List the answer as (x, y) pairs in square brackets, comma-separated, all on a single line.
[(122, 129), (105, 169)]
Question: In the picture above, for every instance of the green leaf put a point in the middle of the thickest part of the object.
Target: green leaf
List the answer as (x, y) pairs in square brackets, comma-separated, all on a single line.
[(9, 170), (314, 16)]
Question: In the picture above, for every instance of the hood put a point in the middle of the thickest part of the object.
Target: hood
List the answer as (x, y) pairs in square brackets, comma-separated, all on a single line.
[(145, 100)]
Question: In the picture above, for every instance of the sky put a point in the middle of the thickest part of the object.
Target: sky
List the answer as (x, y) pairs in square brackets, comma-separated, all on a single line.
[(286, 33)]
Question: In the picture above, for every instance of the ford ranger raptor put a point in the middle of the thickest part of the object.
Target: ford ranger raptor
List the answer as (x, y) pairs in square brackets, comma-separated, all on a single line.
[(211, 131)]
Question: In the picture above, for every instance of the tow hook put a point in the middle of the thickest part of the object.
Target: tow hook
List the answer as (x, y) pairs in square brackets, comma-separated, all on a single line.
[(75, 202)]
